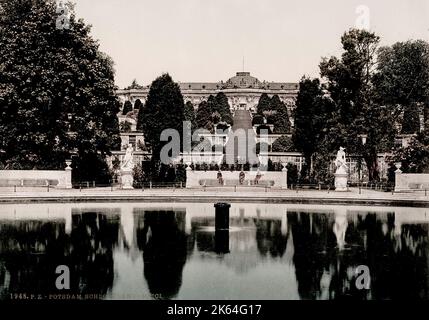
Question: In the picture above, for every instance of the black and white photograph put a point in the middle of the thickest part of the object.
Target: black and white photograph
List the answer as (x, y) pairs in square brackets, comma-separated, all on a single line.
[(199, 150)]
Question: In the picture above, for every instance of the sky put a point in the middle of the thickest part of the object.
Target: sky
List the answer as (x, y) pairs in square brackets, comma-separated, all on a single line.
[(207, 40)]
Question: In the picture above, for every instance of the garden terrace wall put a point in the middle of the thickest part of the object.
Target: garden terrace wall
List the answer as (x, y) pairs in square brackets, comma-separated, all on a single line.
[(36, 178), (197, 179)]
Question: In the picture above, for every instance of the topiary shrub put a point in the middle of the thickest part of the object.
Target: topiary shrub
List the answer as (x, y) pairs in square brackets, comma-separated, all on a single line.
[(283, 144), (258, 119)]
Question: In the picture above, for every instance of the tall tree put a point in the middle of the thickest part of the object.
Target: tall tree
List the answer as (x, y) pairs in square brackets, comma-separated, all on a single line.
[(221, 106), (215, 110), (189, 112), (54, 81), (263, 104), (138, 104), (313, 110), (276, 104), (411, 119), (280, 117), (403, 77), (164, 109), (415, 157), (203, 116), (128, 107), (350, 82), (283, 144), (402, 80)]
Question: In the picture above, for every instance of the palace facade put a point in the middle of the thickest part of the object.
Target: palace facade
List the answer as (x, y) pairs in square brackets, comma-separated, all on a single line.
[(243, 92)]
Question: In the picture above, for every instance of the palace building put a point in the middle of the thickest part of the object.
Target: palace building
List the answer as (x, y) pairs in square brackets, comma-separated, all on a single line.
[(243, 92)]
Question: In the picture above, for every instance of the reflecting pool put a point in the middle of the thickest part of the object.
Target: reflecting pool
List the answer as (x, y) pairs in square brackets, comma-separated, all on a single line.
[(171, 251)]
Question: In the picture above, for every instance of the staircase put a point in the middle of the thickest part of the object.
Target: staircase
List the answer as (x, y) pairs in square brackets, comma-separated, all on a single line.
[(243, 130)]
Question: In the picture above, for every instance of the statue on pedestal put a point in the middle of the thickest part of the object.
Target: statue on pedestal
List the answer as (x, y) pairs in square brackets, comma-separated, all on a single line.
[(127, 167), (341, 172), (128, 162)]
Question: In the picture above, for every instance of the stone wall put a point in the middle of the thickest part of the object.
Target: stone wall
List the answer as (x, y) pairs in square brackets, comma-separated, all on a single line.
[(411, 181), (36, 178), (197, 179)]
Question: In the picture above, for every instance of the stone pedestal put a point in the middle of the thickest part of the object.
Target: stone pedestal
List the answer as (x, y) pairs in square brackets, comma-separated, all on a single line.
[(68, 180), (284, 177), (188, 174), (127, 179), (398, 179), (341, 179)]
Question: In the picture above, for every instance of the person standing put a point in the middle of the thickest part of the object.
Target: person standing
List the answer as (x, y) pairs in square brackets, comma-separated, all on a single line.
[(242, 177), (220, 178)]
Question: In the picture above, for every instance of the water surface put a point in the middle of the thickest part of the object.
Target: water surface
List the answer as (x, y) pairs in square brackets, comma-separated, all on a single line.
[(171, 251)]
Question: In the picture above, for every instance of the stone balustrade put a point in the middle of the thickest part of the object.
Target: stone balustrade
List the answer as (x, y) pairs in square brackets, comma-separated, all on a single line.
[(36, 178), (411, 181), (197, 179)]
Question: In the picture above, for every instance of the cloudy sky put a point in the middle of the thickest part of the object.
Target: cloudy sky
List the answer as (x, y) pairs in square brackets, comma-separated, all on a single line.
[(206, 40)]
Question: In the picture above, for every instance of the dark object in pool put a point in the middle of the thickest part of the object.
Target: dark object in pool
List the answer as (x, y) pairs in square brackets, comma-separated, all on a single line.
[(222, 216)]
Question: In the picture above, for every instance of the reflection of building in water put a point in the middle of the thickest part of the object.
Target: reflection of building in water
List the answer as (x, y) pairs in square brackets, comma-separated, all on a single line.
[(250, 239), (271, 236), (241, 240)]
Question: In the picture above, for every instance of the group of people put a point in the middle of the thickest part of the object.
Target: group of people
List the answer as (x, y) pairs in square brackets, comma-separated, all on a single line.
[(241, 177)]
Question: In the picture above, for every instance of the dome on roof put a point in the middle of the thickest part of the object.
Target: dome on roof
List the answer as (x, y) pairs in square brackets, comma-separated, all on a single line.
[(243, 80)]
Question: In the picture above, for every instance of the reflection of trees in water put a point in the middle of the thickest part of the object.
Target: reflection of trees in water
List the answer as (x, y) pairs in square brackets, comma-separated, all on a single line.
[(4, 280), (325, 271), (30, 251), (269, 238), (312, 237), (400, 261), (93, 239), (165, 247)]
